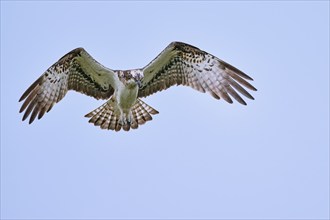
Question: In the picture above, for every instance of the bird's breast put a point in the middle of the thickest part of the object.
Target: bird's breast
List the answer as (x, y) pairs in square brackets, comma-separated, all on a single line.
[(127, 96)]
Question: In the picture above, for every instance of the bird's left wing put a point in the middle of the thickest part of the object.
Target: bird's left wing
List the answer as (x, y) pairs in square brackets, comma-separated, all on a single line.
[(183, 64), (76, 70)]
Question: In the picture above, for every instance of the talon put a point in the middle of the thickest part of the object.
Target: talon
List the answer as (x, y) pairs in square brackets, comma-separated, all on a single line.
[(121, 119)]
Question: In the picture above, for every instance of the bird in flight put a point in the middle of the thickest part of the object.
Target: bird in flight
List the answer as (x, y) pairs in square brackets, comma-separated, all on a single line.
[(178, 64)]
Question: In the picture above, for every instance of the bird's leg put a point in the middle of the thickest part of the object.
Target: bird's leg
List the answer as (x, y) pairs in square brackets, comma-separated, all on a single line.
[(126, 117), (122, 117), (130, 117)]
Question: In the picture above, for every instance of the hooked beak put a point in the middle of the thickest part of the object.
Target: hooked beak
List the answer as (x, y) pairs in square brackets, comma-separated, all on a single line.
[(138, 82)]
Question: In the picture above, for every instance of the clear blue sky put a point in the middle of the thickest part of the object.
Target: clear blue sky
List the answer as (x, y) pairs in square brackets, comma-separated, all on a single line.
[(199, 158)]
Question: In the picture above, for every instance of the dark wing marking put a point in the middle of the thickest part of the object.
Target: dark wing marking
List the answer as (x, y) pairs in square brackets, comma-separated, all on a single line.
[(183, 64), (76, 70)]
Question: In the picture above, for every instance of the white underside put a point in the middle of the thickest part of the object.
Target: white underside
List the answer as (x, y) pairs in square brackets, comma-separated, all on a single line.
[(125, 99)]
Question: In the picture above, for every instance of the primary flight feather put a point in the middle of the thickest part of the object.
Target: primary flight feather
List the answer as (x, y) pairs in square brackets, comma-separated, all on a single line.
[(177, 64)]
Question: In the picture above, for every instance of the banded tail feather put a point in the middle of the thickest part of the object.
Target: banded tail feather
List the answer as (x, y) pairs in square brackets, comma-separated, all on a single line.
[(107, 116)]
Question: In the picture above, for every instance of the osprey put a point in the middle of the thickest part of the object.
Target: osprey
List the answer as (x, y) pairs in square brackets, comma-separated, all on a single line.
[(177, 64)]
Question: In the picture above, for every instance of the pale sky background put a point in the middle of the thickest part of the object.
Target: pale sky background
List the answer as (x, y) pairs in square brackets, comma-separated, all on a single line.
[(199, 158)]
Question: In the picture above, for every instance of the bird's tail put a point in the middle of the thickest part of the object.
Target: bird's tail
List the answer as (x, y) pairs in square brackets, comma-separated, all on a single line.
[(107, 116)]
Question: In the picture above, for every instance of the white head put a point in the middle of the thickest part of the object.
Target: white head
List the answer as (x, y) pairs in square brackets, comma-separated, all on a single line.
[(130, 78)]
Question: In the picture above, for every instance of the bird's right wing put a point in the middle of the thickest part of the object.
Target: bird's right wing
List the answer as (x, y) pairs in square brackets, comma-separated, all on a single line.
[(183, 64), (76, 70)]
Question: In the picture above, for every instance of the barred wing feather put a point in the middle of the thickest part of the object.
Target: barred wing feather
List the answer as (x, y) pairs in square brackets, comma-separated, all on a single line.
[(76, 70), (183, 64)]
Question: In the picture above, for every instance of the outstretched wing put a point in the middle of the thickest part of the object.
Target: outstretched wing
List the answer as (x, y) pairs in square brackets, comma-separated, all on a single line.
[(183, 64), (76, 70)]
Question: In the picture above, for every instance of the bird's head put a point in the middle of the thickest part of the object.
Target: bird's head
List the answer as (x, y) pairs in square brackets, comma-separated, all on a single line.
[(130, 79), (132, 83)]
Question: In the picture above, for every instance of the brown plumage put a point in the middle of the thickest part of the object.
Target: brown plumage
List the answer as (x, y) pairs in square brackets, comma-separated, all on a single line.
[(177, 64)]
